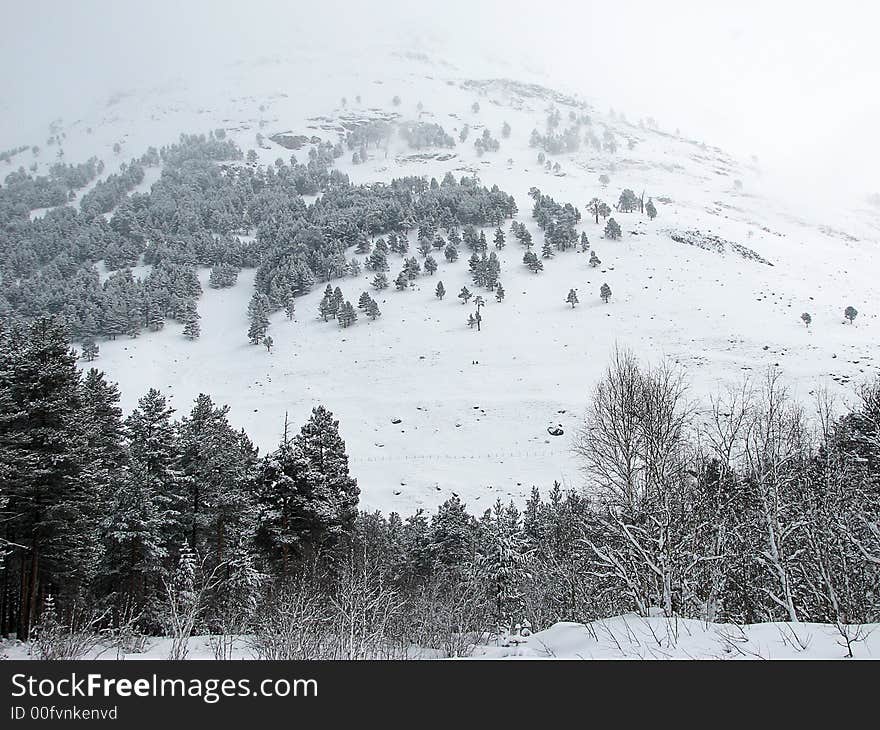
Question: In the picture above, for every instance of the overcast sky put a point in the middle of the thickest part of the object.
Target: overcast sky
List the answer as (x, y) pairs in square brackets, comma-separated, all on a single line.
[(792, 82)]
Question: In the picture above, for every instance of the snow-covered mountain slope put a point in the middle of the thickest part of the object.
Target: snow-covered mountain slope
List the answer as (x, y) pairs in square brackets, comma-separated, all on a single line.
[(475, 407)]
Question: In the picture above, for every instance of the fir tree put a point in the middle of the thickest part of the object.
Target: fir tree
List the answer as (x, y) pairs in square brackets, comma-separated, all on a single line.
[(430, 266), (440, 291), (380, 281), (464, 295), (499, 292)]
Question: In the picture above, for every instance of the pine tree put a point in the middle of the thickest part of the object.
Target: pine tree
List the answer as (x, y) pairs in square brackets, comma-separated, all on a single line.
[(90, 349), (612, 229), (191, 328), (216, 462), (288, 523), (464, 295), (258, 316), (650, 209), (363, 245), (477, 268), (430, 266), (347, 315), (372, 309), (504, 565), (605, 293), (364, 300), (572, 298), (531, 260), (585, 242), (594, 260), (156, 489), (451, 252), (452, 535), (493, 271), (499, 292), (337, 300), (289, 307), (440, 291), (402, 281), (377, 261), (412, 268), (499, 239), (52, 504), (332, 498), (380, 281)]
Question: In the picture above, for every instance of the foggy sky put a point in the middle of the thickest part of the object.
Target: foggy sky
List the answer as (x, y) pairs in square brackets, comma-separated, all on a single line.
[(794, 83)]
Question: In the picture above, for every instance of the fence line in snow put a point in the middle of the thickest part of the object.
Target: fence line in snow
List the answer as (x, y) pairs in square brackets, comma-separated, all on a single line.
[(457, 457)]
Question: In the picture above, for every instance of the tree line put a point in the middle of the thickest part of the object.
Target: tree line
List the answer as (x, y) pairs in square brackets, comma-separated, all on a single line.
[(742, 510)]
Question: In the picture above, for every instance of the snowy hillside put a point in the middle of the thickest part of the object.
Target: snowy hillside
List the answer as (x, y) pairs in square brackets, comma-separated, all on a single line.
[(428, 406)]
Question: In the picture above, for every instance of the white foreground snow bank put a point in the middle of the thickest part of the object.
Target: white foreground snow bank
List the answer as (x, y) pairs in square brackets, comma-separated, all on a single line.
[(619, 637)]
